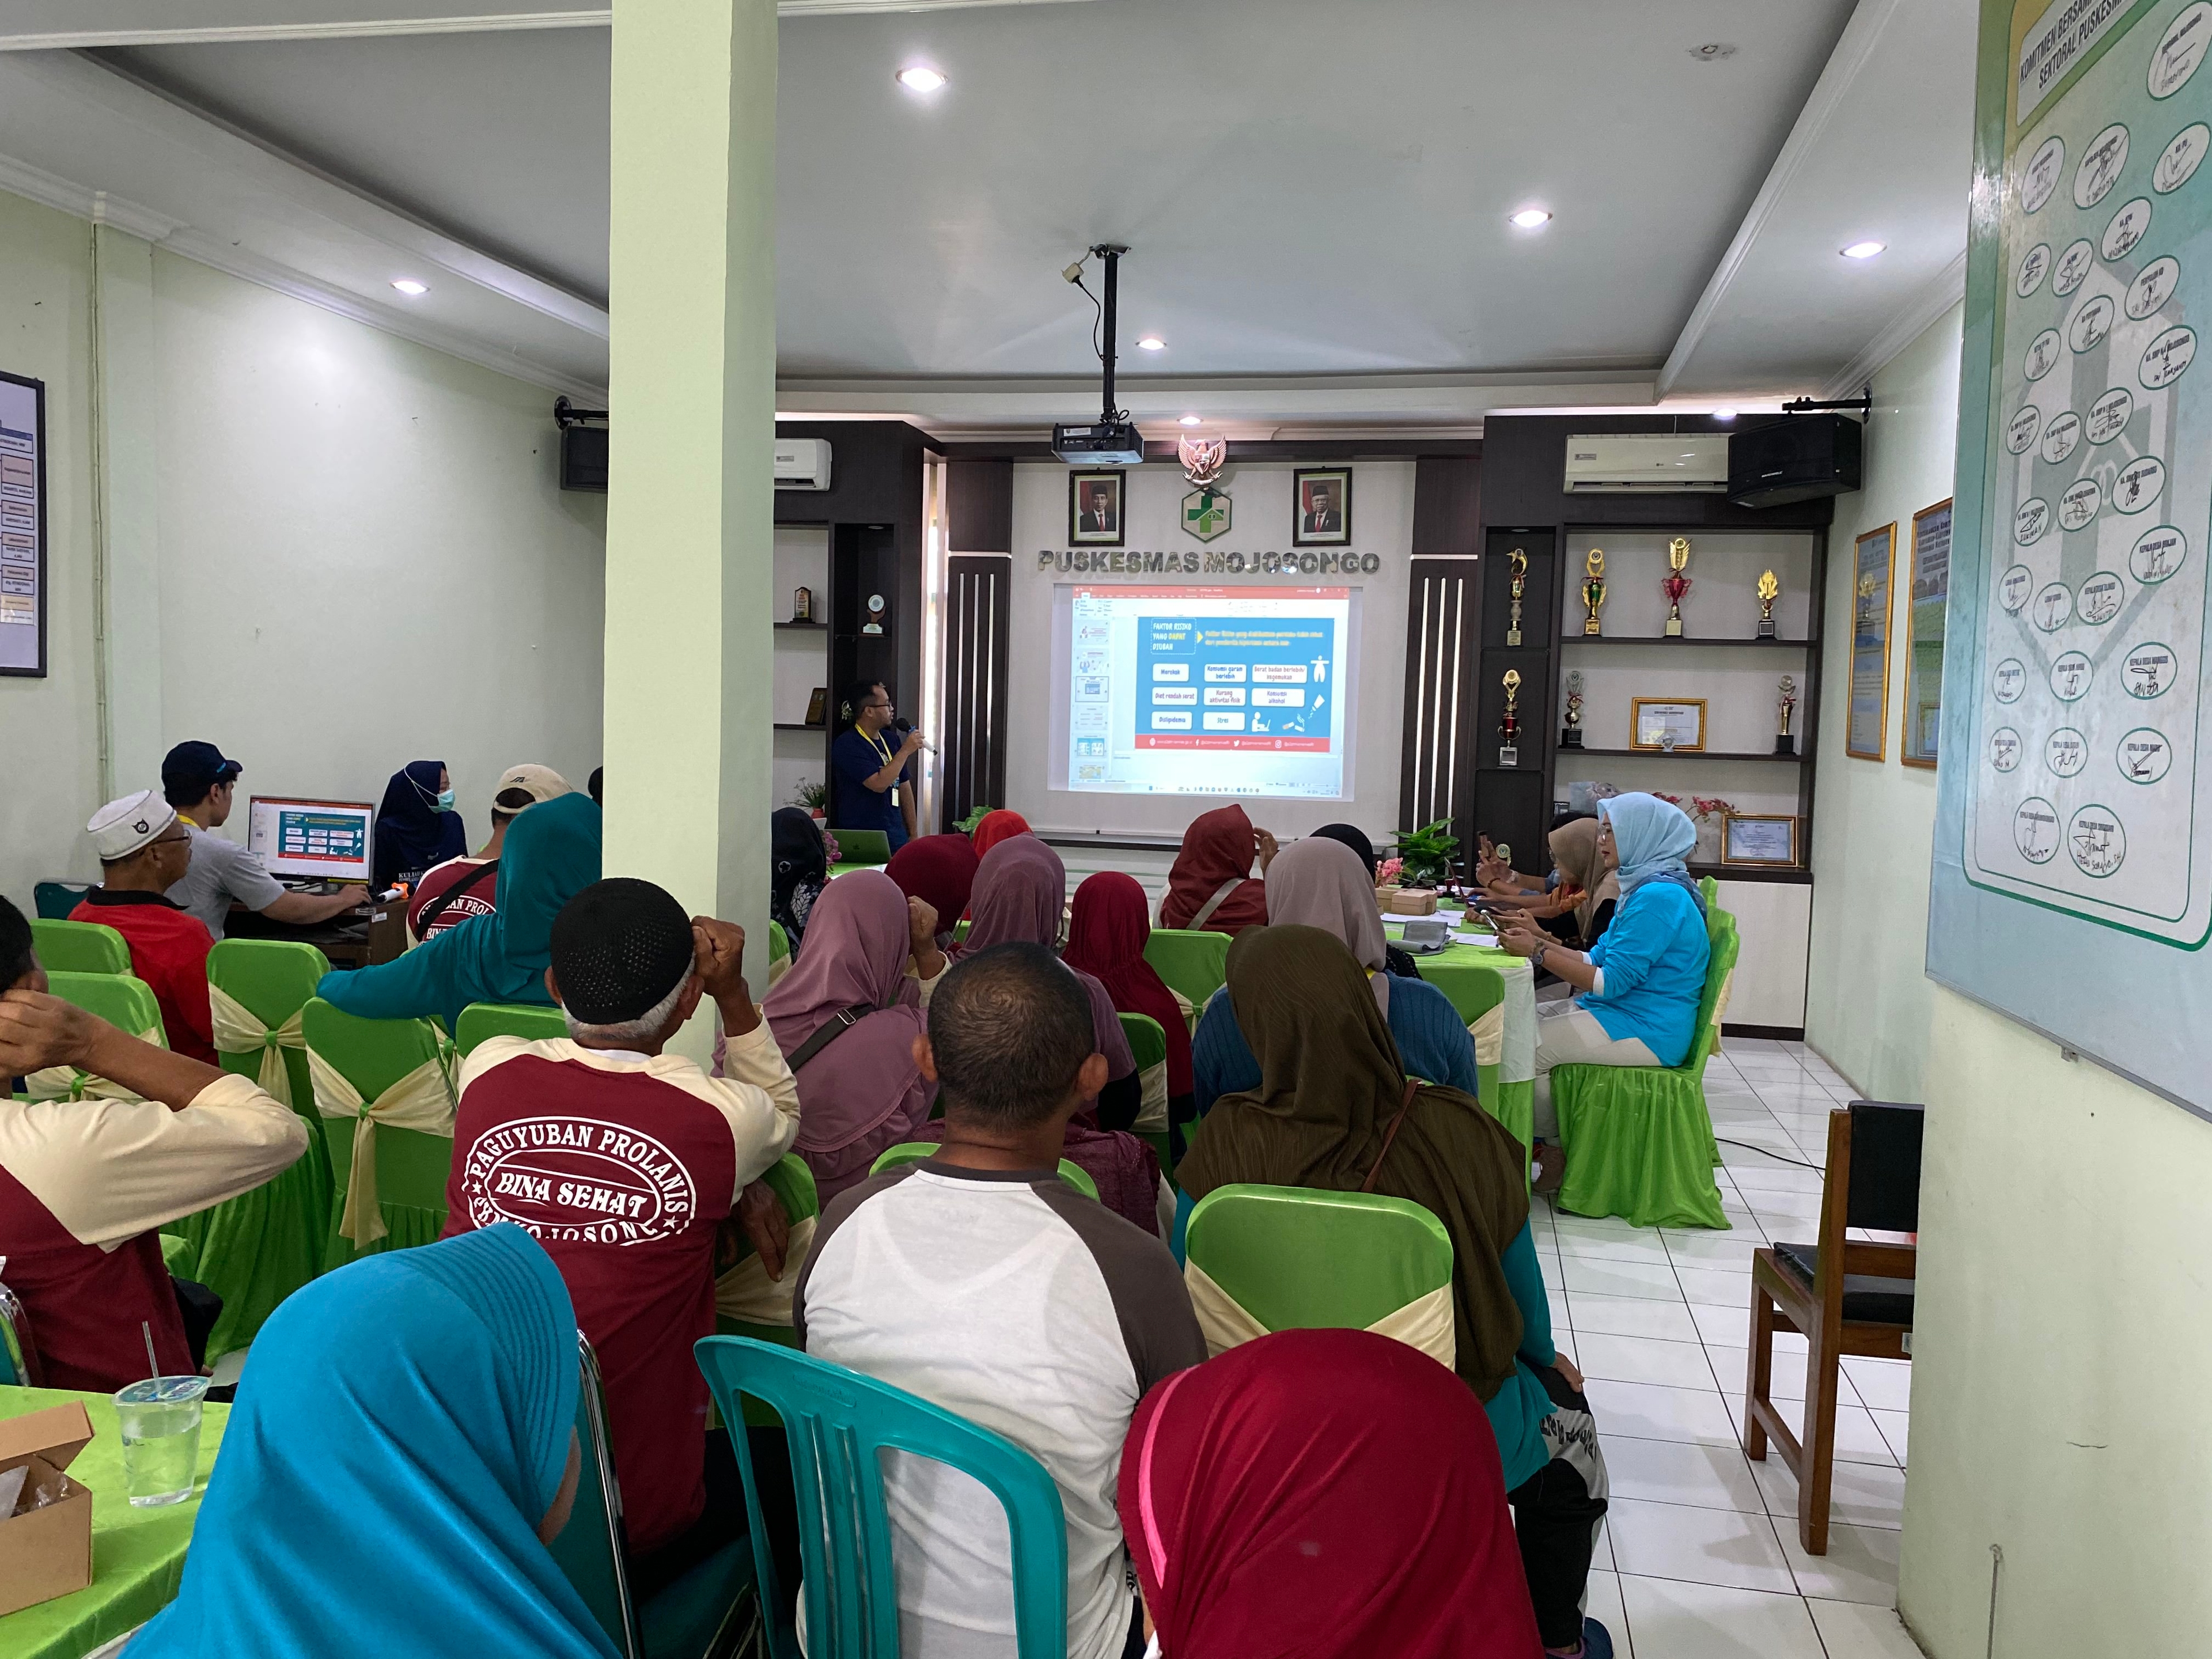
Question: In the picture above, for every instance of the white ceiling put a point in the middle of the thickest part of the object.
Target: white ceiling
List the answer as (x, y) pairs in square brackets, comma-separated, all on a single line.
[(1314, 198)]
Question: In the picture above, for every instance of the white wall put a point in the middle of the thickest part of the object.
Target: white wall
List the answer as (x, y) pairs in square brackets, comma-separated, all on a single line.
[(1869, 1000)]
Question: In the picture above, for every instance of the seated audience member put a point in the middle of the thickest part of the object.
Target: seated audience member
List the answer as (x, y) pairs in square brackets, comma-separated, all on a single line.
[(450, 893), (596, 784), (552, 854), (846, 1018), (1106, 935), (1334, 1110), (1577, 901), (940, 871), (802, 870), (144, 852), (980, 1281), (85, 1184), (1397, 963), (1383, 1528), (1638, 988), (1316, 882), (199, 782), (1021, 889), (869, 785), (1211, 885), (402, 1449), (636, 1244), (416, 827), (995, 827)]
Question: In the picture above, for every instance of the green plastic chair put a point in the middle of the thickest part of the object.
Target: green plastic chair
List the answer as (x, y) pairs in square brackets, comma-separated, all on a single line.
[(862, 846), (912, 1151), (686, 1620), (840, 1422), (1301, 1259), (80, 947), (532, 1021), (54, 900), (122, 999), (1149, 1044), (257, 1248), (1195, 963), (1639, 1139), (411, 1164)]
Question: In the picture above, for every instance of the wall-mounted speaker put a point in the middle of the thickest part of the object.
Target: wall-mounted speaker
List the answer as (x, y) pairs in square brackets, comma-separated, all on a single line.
[(1794, 459)]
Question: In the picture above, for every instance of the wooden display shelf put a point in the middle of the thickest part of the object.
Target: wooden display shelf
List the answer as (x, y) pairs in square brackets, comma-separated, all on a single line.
[(1788, 875), (1685, 754), (818, 628), (1676, 639), (799, 725)]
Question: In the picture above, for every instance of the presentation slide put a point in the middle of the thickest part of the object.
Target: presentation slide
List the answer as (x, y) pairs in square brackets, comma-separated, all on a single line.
[(1204, 690)]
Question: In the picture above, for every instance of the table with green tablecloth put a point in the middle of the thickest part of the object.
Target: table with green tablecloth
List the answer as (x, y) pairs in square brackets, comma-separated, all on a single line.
[(137, 1555), (1495, 992)]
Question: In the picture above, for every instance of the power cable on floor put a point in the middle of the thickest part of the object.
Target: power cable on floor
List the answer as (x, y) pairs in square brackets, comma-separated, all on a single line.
[(1742, 1145)]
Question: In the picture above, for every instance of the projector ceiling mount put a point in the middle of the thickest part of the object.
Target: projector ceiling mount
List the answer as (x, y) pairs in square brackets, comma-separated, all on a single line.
[(1113, 441)]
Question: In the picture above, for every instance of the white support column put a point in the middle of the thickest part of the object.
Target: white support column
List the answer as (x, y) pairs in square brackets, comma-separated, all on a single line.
[(690, 507), (126, 518)]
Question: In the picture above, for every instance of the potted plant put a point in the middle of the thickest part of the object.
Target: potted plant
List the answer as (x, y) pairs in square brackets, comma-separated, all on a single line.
[(967, 825), (1424, 855), (815, 797)]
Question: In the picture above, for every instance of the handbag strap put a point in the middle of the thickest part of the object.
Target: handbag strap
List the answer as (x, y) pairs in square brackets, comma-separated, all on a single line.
[(1212, 904), (438, 906), (1412, 1087), (829, 1031)]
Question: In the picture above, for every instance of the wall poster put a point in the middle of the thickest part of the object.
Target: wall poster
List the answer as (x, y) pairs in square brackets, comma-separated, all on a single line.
[(1874, 560), (22, 526), (1928, 596), (2072, 885)]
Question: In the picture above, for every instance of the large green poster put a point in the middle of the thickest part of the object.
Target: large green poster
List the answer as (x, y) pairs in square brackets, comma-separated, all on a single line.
[(2073, 879)]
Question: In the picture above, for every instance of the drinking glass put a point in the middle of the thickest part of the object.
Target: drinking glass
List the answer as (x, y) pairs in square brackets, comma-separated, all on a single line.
[(160, 1419)]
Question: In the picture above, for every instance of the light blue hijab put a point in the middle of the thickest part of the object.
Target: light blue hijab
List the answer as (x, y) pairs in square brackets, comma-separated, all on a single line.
[(402, 1426), (1653, 837)]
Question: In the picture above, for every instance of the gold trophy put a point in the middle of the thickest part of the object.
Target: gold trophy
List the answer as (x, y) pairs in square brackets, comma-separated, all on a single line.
[(1509, 728), (1676, 585), (1783, 742), (1593, 589), (1769, 591), (1572, 738), (1519, 560)]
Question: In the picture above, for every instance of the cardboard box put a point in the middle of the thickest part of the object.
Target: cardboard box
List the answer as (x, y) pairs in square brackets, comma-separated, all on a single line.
[(1414, 902), (46, 1552)]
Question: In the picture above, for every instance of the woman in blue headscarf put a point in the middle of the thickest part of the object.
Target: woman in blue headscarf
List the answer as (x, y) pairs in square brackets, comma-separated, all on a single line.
[(552, 854), (401, 1450), (416, 826), (1638, 988)]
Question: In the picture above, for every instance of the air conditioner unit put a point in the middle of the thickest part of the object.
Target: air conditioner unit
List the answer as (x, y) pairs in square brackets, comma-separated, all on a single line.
[(804, 464), (1639, 464)]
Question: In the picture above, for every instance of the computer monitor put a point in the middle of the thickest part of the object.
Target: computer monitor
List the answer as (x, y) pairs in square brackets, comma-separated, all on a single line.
[(328, 839)]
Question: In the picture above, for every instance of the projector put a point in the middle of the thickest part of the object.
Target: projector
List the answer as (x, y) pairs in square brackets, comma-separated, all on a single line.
[(1109, 443)]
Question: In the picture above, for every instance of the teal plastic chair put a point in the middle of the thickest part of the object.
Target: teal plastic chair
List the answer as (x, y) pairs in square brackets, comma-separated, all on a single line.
[(912, 1151), (54, 900), (1195, 963), (532, 1021), (19, 1358), (80, 947), (840, 1422), (1296, 1258), (686, 1620), (862, 846), (1148, 1043), (1639, 1139)]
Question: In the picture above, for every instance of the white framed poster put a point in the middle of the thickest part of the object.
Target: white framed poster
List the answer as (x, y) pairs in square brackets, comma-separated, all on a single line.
[(22, 526)]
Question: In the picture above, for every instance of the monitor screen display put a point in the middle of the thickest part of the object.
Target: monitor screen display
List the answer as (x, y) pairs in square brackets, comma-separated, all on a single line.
[(328, 839)]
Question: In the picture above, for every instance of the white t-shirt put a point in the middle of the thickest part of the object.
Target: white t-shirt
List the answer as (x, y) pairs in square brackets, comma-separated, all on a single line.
[(221, 871)]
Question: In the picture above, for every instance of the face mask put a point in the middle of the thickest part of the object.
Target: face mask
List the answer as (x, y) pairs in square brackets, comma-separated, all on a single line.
[(445, 800)]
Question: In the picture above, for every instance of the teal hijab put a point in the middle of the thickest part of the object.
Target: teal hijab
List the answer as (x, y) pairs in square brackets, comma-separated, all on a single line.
[(1654, 838), (404, 1425)]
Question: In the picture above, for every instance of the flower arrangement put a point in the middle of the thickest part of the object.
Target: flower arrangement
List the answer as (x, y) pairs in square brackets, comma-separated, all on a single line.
[(1708, 808), (1387, 871)]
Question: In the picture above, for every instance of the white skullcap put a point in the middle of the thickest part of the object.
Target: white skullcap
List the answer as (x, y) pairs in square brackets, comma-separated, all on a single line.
[(122, 826)]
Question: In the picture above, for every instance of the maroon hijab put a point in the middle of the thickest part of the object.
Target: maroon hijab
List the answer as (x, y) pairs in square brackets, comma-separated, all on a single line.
[(940, 871), (1106, 939), (1219, 848)]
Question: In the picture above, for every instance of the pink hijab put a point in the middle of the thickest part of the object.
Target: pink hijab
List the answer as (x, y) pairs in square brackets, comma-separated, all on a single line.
[(863, 1092)]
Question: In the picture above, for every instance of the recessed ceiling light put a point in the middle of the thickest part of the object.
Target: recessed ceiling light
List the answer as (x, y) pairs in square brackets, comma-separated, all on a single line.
[(1190, 420), (1531, 218), (1152, 343), (1863, 250), (920, 77), (1724, 414), (409, 286), (1711, 51)]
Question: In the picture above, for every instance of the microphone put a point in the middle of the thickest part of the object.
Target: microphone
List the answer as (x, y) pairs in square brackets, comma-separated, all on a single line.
[(904, 727)]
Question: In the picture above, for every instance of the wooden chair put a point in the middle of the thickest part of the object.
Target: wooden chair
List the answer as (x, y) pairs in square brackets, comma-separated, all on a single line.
[(1846, 1296)]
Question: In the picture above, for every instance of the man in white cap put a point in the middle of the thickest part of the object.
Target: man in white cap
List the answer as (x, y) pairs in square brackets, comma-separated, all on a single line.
[(145, 849), (450, 893)]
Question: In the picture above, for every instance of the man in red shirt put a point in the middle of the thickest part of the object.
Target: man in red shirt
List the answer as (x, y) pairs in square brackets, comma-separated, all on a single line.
[(85, 1184), (144, 850), (624, 1161), (450, 893)]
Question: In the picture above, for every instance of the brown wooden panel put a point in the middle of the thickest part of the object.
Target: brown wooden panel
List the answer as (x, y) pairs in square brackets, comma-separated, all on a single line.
[(1438, 762), (1447, 504), (972, 749), (979, 506)]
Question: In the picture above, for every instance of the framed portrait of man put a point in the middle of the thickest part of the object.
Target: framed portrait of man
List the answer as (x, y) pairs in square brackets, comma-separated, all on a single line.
[(1094, 509), (1321, 506)]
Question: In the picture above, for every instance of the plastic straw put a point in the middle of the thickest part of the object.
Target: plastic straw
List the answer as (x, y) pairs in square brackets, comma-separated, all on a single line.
[(153, 1365)]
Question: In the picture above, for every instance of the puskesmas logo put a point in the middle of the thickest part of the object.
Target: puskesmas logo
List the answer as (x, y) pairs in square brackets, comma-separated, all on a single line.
[(579, 1180)]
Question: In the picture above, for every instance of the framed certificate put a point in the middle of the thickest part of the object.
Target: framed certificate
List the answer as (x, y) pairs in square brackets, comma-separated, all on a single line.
[(1923, 653), (1759, 838), (1675, 725), (1866, 735)]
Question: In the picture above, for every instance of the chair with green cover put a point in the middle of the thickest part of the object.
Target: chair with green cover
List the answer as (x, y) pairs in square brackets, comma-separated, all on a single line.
[(779, 953), (862, 846), (54, 900), (80, 947), (1196, 964), (1260, 1259), (124, 1001), (1149, 1044), (532, 1021), (840, 1424), (257, 1248), (747, 1301), (1711, 889), (1639, 1139), (689, 1618), (388, 1105), (912, 1151)]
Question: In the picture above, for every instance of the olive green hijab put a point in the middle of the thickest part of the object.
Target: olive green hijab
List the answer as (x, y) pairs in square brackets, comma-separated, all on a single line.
[(1330, 1082)]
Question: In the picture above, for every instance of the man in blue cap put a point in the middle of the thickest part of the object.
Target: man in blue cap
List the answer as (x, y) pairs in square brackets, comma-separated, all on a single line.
[(199, 781)]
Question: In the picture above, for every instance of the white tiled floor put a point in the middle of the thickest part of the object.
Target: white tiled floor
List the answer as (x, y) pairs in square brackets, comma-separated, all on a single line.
[(1701, 1559)]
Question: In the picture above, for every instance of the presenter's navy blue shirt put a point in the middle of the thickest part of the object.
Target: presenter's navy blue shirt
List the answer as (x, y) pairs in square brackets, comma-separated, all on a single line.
[(853, 805)]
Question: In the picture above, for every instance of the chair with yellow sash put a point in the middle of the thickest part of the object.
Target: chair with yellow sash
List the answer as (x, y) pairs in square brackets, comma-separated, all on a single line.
[(80, 947), (533, 1022), (387, 1104), (912, 1151), (1148, 1043), (257, 1248), (1262, 1259), (123, 1002)]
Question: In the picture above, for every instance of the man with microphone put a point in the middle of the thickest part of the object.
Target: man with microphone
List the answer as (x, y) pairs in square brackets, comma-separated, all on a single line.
[(869, 786)]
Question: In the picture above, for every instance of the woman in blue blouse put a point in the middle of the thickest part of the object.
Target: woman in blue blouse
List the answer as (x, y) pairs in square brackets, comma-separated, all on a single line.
[(1638, 988)]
